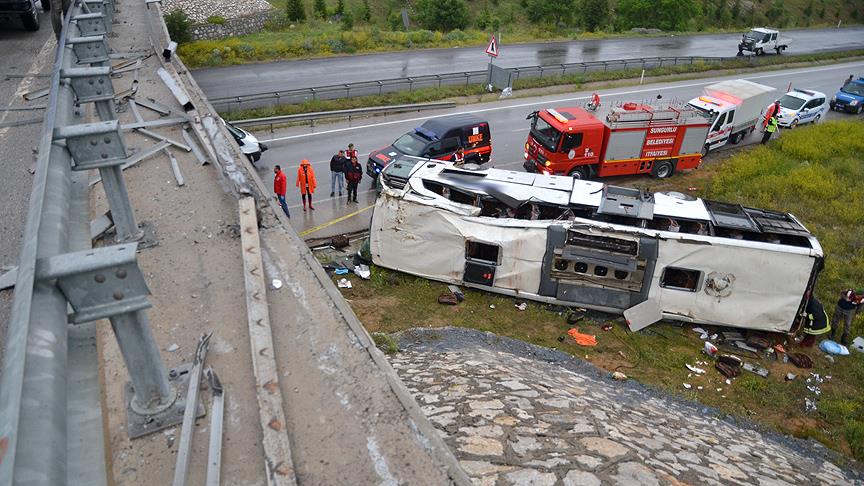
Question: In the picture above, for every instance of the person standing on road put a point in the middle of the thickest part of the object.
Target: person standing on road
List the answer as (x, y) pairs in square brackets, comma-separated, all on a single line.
[(353, 172), (350, 153), (306, 182), (773, 110), (337, 164), (770, 129), (280, 187), (848, 306), (458, 157)]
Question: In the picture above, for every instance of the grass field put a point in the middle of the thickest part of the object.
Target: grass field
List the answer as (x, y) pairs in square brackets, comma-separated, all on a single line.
[(516, 21), (813, 172)]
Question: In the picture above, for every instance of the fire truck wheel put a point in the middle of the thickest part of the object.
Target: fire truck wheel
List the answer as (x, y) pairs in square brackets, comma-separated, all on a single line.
[(663, 169), (705, 150), (581, 172)]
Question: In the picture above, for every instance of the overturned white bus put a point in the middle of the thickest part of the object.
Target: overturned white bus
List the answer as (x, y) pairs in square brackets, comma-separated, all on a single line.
[(581, 243)]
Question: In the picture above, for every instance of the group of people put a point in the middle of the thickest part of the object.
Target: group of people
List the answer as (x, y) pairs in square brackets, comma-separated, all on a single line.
[(343, 166)]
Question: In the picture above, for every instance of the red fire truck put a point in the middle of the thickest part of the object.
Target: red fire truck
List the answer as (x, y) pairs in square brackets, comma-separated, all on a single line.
[(632, 139)]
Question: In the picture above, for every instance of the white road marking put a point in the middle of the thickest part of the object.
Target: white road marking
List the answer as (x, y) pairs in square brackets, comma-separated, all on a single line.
[(562, 100)]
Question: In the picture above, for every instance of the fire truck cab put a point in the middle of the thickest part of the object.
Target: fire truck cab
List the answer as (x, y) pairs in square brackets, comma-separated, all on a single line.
[(633, 139)]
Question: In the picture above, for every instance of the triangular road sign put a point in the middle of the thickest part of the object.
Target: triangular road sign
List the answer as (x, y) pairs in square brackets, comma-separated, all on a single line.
[(492, 49)]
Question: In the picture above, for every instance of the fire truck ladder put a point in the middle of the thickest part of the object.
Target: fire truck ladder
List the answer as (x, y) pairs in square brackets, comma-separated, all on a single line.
[(640, 115)]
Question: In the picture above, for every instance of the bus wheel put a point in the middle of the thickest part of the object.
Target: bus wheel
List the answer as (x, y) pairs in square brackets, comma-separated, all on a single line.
[(582, 172), (663, 169)]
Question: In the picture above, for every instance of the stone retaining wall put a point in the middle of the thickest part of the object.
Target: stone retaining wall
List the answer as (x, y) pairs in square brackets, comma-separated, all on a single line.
[(248, 24)]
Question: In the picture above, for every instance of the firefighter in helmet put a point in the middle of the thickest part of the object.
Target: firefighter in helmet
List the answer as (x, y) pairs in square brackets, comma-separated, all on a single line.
[(815, 322)]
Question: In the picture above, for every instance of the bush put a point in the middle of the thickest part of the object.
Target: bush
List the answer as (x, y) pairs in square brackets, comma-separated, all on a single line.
[(295, 10), (179, 26), (442, 15), (320, 9), (216, 20)]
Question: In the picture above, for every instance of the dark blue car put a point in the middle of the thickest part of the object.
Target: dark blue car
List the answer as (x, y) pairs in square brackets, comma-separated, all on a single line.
[(850, 98)]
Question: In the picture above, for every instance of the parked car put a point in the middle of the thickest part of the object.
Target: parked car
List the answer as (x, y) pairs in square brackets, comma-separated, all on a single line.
[(801, 106), (438, 138), (24, 10), (850, 98), (249, 145)]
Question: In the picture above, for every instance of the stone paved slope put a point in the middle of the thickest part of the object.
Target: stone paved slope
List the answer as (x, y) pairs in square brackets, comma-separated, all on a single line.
[(519, 414)]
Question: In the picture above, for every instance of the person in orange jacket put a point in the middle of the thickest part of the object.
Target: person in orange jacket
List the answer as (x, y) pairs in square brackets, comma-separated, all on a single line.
[(306, 182)]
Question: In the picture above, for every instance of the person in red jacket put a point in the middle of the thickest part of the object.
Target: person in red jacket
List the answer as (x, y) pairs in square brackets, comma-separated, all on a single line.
[(306, 182), (280, 187), (353, 172), (773, 110)]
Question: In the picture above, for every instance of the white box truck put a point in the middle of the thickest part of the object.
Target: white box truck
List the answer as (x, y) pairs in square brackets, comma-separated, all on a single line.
[(736, 108)]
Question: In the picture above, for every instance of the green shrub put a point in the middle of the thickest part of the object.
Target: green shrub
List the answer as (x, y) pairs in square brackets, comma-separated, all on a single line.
[(319, 8), (295, 11), (442, 15), (854, 432), (456, 36), (216, 20), (179, 26)]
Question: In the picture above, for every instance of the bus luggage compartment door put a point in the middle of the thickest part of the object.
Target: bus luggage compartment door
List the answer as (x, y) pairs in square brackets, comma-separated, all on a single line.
[(590, 268)]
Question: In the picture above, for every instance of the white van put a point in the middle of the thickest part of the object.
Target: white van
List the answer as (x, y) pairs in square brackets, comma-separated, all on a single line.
[(249, 145), (735, 107)]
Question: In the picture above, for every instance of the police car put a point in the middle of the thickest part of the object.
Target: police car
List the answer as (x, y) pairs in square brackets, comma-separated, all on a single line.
[(801, 106)]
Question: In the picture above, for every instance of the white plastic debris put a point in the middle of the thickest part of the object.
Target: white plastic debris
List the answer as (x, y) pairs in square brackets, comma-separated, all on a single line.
[(694, 369), (618, 376), (276, 283), (491, 306), (362, 271), (698, 387), (710, 349), (688, 386), (172, 348), (728, 381), (522, 306), (344, 283)]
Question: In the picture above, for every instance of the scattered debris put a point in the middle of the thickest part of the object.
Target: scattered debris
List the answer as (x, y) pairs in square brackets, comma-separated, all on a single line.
[(732, 336), (521, 306), (698, 371), (276, 283), (172, 348), (574, 317), (698, 387), (687, 385), (791, 376), (341, 271), (709, 349), (755, 370), (746, 347), (175, 168), (217, 413), (339, 241), (779, 348), (726, 370), (448, 299), (618, 376), (458, 293), (491, 306), (829, 358), (858, 344), (758, 342), (362, 271), (621, 353), (582, 339), (607, 327), (344, 283), (832, 347), (809, 405), (801, 360), (728, 382), (700, 330)]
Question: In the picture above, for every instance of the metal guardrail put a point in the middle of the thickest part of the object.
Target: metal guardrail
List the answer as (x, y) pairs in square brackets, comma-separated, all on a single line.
[(366, 88), (50, 408), (356, 112)]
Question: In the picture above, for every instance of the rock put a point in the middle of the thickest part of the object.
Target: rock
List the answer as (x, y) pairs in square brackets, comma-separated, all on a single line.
[(633, 473), (589, 462), (524, 445), (515, 385), (487, 405), (481, 446), (483, 431), (531, 477), (580, 478), (482, 468), (604, 447)]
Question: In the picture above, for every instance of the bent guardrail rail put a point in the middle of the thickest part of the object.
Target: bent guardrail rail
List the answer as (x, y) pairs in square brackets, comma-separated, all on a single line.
[(379, 87), (356, 112), (50, 408)]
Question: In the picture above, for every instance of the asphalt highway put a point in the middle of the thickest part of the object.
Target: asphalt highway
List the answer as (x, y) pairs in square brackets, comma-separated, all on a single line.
[(282, 75), (509, 132), (27, 58)]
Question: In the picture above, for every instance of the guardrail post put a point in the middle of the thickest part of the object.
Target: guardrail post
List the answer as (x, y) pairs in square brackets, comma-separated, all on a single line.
[(380, 87), (410, 85), (313, 93), (347, 90), (467, 78)]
